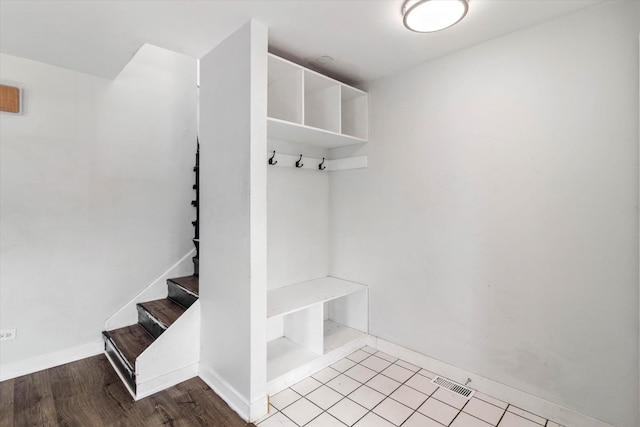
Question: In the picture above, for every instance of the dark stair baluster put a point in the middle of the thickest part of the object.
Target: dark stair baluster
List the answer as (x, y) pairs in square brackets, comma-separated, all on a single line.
[(196, 223)]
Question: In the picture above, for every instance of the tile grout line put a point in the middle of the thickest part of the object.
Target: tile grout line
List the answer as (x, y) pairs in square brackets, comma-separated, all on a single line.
[(525, 418), (459, 412), (386, 396), (394, 390)]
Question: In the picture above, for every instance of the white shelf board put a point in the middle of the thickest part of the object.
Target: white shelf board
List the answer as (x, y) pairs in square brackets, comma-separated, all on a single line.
[(284, 355), (285, 300), (283, 130), (337, 335)]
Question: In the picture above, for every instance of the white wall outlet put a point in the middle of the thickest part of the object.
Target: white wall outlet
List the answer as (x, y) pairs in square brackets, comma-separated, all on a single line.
[(8, 334)]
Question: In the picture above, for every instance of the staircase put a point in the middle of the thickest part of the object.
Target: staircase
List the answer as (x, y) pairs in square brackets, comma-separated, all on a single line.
[(125, 345), (147, 359)]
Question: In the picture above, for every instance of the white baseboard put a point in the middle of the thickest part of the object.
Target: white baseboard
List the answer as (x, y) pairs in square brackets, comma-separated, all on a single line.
[(50, 360), (223, 389), (521, 399), (165, 381), (259, 409)]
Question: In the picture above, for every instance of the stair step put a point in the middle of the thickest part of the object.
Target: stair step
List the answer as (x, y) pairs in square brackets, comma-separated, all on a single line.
[(156, 316), (188, 282), (130, 342), (164, 310), (118, 361), (183, 290)]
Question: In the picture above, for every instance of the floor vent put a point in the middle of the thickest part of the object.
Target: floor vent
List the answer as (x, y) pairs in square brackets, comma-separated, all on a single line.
[(456, 388)]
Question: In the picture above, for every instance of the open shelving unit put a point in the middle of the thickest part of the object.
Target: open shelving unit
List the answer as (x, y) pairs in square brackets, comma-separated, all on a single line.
[(312, 323), (305, 107), (309, 320)]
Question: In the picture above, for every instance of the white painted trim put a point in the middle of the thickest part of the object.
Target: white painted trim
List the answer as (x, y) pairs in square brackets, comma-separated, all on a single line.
[(128, 314), (165, 381), (521, 399), (259, 409), (223, 389), (50, 360), (114, 366), (160, 358)]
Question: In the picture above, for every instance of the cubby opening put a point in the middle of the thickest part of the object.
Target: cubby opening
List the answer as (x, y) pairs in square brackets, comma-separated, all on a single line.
[(354, 109), (294, 340), (284, 93), (345, 320), (308, 320), (321, 102)]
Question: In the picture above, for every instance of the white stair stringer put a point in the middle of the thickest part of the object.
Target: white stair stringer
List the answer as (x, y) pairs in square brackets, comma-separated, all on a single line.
[(173, 357)]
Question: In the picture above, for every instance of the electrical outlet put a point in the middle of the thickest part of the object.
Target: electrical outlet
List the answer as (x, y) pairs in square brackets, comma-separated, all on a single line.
[(8, 334)]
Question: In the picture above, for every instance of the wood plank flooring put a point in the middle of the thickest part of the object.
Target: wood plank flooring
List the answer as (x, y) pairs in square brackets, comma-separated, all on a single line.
[(88, 393)]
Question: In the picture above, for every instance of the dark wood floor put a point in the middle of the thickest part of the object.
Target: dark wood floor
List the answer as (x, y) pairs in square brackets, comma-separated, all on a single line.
[(89, 393)]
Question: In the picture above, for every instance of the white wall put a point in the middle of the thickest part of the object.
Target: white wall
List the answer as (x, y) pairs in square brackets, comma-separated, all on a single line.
[(298, 225), (233, 270), (497, 221), (95, 190)]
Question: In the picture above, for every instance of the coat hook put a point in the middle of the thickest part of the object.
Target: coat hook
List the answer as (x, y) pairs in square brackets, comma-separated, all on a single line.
[(298, 164), (321, 165), (271, 162)]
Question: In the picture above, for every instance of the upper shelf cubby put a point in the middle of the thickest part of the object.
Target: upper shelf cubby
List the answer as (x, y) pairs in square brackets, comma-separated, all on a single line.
[(284, 93), (308, 108)]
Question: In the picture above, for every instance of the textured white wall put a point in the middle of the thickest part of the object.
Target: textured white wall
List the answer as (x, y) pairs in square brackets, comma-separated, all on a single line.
[(497, 221), (95, 190)]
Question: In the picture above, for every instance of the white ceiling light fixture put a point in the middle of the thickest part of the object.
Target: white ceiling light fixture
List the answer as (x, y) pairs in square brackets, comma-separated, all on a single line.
[(426, 16)]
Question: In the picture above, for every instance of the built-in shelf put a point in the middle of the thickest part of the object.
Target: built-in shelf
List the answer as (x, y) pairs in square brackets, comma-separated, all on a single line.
[(337, 335), (310, 323), (286, 356), (285, 300), (282, 130), (306, 107)]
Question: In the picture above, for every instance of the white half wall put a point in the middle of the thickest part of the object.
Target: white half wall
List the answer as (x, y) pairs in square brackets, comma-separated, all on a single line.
[(233, 255), (496, 224), (95, 190)]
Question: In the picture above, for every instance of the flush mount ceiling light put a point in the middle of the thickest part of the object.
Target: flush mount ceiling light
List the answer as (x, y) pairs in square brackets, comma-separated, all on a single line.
[(426, 16)]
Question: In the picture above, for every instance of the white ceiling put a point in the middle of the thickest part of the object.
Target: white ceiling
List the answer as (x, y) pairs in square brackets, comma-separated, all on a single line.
[(366, 38)]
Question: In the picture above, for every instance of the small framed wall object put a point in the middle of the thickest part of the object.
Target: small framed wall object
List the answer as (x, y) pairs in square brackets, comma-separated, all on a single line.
[(10, 99)]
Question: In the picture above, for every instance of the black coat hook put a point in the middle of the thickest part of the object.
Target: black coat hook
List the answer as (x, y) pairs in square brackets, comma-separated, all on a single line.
[(271, 162), (298, 163), (321, 165)]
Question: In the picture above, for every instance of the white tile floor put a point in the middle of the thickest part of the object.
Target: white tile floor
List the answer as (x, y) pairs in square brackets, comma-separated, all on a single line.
[(369, 388)]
